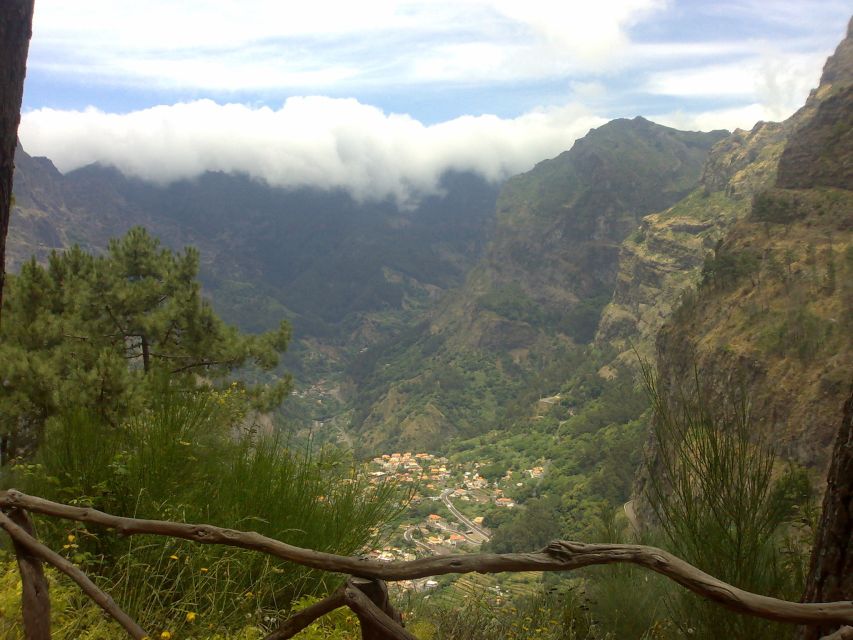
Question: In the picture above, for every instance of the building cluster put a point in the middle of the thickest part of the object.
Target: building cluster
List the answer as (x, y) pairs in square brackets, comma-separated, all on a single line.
[(439, 481), (409, 467)]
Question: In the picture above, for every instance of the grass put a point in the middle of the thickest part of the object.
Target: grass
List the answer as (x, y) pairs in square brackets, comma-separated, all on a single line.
[(184, 461)]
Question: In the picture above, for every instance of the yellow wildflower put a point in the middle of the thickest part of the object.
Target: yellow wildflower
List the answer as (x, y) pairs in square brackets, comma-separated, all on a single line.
[(71, 537), (173, 557), (166, 635), (191, 616), (203, 569)]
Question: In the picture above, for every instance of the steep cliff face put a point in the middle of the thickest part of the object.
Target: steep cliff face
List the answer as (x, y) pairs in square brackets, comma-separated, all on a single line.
[(663, 258), (560, 225), (549, 267), (772, 313)]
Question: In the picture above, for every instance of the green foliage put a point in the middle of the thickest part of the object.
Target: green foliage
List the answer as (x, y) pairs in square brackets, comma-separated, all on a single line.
[(512, 303), (75, 617), (96, 332), (775, 206), (579, 322), (542, 615), (720, 506), (799, 332), (625, 600), (725, 268), (532, 527), (181, 459)]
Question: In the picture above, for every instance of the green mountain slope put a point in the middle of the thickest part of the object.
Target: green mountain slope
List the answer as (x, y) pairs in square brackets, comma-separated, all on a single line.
[(549, 267), (345, 273), (664, 258)]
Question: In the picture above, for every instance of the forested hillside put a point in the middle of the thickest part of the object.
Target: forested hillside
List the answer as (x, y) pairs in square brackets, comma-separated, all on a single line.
[(535, 296)]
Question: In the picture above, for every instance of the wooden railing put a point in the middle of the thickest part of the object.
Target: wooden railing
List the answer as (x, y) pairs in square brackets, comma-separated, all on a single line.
[(365, 592)]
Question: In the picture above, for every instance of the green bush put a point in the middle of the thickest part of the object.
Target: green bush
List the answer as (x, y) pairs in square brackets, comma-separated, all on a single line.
[(798, 332), (725, 268), (542, 615), (720, 506), (184, 460)]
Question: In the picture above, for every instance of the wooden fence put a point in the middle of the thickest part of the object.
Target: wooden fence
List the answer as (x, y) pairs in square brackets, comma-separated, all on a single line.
[(365, 592)]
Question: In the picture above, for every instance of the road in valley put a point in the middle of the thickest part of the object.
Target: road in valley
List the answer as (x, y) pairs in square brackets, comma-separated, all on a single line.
[(407, 536), (445, 498)]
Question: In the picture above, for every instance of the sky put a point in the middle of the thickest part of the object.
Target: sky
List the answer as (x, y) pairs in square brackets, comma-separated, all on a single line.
[(381, 97)]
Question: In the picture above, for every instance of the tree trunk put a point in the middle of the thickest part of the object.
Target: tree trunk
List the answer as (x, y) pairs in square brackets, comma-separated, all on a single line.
[(377, 592), (35, 601), (146, 355), (831, 571), (16, 20)]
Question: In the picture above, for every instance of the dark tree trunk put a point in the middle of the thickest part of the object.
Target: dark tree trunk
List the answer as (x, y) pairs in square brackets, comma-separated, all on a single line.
[(16, 20), (146, 355), (377, 592), (831, 571), (35, 601)]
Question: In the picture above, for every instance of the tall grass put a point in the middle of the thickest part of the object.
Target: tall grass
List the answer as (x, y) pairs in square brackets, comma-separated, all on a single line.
[(722, 504), (543, 615), (184, 460)]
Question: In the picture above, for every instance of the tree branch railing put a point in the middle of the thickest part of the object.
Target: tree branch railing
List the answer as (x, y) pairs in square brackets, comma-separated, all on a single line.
[(365, 592)]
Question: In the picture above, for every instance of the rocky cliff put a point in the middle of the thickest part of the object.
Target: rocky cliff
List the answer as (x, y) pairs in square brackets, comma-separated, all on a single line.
[(664, 256), (772, 312)]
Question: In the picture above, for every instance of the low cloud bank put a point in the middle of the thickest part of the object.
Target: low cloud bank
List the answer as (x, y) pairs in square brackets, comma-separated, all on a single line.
[(310, 141)]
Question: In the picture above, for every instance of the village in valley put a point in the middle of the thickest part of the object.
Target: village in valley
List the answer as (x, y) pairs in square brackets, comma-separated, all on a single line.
[(448, 509)]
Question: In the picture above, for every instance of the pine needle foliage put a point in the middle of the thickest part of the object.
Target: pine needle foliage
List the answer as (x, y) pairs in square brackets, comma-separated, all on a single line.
[(722, 505)]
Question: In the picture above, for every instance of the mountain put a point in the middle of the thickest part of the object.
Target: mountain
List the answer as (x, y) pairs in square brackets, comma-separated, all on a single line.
[(773, 308), (663, 259), (549, 267), (346, 273), (323, 255)]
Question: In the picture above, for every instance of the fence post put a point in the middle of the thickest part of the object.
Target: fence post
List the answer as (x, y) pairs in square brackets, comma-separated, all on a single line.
[(35, 599), (377, 592)]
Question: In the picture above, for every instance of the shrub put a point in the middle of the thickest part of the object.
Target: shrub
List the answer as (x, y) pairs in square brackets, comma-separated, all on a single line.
[(182, 460), (720, 507)]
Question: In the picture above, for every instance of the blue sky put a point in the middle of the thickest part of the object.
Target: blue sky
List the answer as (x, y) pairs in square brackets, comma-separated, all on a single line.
[(381, 96)]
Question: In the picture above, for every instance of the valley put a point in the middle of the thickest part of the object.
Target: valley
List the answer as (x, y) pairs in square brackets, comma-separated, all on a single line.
[(598, 348)]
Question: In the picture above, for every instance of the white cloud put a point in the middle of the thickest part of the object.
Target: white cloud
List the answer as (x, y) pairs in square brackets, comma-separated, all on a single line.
[(776, 81), (226, 45), (314, 141), (740, 117), (589, 30)]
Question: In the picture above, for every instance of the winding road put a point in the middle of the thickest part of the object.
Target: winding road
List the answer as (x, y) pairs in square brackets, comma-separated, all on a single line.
[(445, 498)]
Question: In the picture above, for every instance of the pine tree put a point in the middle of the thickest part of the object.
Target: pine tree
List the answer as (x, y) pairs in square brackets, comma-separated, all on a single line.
[(101, 332)]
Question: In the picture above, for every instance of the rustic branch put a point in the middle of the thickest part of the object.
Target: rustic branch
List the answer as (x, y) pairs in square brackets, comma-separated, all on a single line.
[(38, 550), (558, 556), (299, 621), (844, 633), (375, 623)]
